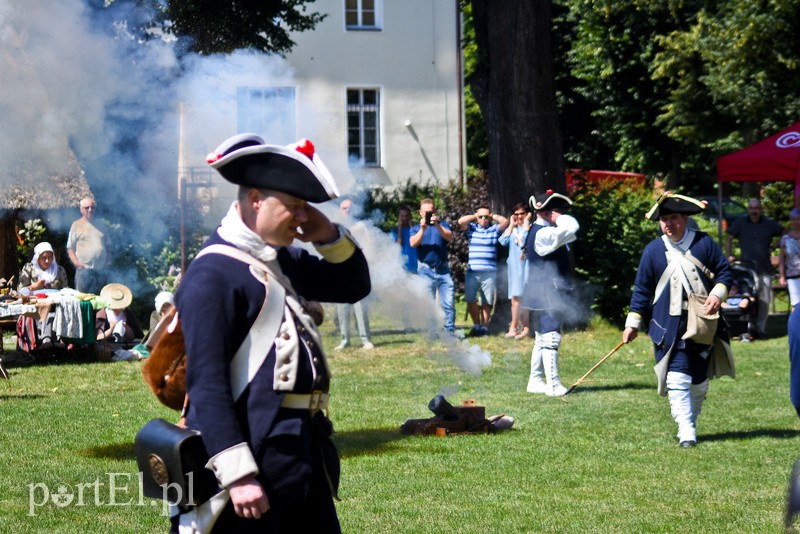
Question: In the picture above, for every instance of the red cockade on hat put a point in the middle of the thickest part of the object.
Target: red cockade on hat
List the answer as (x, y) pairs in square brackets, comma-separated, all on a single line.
[(306, 147), (212, 157)]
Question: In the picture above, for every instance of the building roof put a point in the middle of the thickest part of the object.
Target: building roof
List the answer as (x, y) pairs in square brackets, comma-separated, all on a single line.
[(24, 185)]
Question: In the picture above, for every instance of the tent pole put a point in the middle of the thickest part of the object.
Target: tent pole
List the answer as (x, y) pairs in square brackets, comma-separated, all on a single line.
[(797, 184)]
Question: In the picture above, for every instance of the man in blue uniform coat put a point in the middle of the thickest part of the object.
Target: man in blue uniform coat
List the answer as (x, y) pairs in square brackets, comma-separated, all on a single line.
[(269, 439), (794, 358), (547, 290), (682, 262)]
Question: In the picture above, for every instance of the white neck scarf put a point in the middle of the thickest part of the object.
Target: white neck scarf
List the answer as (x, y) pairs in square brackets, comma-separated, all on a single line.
[(234, 231)]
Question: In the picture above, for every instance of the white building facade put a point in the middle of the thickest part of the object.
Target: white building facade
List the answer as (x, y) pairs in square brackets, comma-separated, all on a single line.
[(376, 86), (383, 82)]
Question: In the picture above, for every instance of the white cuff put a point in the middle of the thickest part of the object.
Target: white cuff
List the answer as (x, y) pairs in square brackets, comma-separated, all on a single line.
[(339, 250), (634, 320), (568, 222), (232, 464), (720, 291)]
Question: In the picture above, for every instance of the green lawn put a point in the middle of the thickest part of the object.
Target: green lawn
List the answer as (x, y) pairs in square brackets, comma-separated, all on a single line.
[(603, 460)]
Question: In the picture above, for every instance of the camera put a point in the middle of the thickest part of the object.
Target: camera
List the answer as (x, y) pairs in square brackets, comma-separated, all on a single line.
[(428, 215)]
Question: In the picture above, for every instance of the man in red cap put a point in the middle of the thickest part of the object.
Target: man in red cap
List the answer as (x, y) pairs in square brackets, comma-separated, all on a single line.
[(680, 263), (256, 372)]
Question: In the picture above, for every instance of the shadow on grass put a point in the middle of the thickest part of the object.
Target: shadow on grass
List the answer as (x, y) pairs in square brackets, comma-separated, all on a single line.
[(775, 433), (350, 444), (385, 343), (53, 356), (397, 331), (117, 451), (616, 387), (24, 396), (368, 441)]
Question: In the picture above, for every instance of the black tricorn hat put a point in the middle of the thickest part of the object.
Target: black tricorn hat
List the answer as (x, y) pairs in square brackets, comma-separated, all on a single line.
[(549, 201), (246, 160), (673, 203)]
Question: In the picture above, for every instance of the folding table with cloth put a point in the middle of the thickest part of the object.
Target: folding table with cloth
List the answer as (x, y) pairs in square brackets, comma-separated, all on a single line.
[(60, 319)]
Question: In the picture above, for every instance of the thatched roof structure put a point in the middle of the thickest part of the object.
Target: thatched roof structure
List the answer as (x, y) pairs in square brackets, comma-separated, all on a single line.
[(25, 186), (47, 175)]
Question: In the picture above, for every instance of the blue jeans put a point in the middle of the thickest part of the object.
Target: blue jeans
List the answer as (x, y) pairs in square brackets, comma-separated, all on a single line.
[(444, 284)]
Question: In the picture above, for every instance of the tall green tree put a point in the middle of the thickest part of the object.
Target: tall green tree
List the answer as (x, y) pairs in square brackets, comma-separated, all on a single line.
[(223, 27), (211, 27), (665, 88), (733, 76), (610, 56), (513, 83)]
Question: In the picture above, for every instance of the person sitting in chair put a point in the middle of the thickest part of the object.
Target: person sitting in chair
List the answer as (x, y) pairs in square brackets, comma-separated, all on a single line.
[(115, 323), (41, 275), (42, 272), (737, 298)]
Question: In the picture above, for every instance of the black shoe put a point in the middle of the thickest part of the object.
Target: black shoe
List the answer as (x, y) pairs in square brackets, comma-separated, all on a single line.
[(476, 331), (688, 444)]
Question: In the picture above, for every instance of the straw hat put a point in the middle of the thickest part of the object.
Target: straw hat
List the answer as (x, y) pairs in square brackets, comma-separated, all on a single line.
[(117, 296)]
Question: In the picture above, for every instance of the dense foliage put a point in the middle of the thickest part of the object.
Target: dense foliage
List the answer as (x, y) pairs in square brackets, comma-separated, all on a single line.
[(224, 27), (210, 27), (611, 240), (665, 88), (662, 88)]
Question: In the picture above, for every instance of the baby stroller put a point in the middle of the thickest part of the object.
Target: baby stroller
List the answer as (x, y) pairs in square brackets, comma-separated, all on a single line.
[(740, 308)]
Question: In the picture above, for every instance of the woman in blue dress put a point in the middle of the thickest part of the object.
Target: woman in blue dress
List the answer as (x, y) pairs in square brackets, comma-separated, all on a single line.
[(514, 238)]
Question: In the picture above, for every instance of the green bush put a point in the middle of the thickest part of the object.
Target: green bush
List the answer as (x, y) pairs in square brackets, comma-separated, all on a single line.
[(610, 243), (778, 201)]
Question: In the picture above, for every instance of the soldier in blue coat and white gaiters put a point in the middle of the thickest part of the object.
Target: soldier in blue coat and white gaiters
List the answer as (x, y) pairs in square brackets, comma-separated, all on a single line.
[(547, 291), (680, 262), (256, 374)]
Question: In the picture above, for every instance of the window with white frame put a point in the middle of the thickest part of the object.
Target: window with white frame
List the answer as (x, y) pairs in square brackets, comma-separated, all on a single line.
[(363, 127), (362, 14), (267, 111)]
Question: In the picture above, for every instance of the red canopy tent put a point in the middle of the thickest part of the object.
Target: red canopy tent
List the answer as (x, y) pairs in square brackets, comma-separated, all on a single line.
[(774, 159)]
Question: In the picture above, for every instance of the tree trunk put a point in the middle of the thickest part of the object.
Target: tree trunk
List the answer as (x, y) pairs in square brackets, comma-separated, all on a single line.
[(515, 89)]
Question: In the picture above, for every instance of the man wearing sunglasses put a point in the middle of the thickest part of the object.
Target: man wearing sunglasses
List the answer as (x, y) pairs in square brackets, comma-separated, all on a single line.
[(483, 229)]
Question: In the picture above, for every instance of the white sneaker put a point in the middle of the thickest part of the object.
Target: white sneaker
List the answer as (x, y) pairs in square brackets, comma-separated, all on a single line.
[(367, 345), (342, 345)]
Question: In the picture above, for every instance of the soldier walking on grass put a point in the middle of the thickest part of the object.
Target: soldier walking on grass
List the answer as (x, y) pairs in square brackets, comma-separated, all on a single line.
[(689, 349)]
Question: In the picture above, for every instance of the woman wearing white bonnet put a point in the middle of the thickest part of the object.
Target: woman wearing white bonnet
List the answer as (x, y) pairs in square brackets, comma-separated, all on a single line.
[(42, 273), (162, 299)]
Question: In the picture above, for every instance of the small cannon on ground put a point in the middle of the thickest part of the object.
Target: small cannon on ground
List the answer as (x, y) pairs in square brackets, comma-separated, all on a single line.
[(465, 419)]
